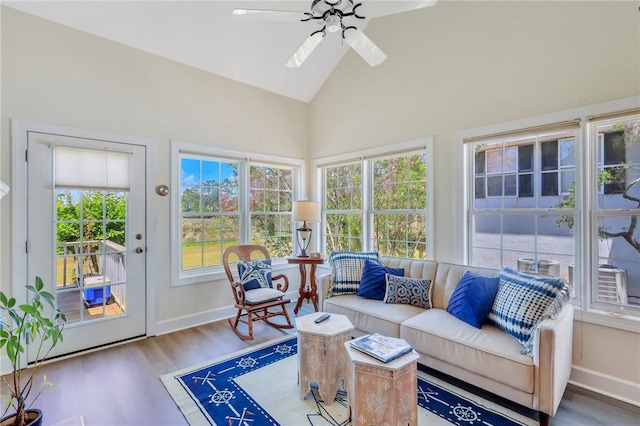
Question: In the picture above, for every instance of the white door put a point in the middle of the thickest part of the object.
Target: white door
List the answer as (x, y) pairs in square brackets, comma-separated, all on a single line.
[(86, 235)]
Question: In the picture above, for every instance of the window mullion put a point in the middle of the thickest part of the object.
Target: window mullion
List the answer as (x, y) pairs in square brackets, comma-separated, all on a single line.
[(243, 202), (367, 205)]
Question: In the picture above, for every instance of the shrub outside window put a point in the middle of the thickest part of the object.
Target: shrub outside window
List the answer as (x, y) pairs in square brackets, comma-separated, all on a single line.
[(270, 201), (343, 207)]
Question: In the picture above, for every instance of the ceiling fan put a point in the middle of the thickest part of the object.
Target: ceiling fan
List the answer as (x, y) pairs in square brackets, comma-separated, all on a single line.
[(334, 16)]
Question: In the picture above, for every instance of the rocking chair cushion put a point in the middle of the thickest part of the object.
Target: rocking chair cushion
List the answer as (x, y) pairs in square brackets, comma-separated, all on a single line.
[(262, 295), (255, 274)]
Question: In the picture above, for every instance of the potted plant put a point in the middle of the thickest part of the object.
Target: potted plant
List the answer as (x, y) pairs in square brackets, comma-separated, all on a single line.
[(27, 323)]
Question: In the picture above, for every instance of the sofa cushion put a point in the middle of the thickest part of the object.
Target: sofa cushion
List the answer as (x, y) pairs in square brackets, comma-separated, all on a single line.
[(346, 270), (255, 273), (369, 315), (373, 283), (488, 352), (524, 301), (473, 298), (447, 278), (409, 291)]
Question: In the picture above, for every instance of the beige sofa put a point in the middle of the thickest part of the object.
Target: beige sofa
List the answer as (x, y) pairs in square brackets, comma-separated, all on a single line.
[(488, 358)]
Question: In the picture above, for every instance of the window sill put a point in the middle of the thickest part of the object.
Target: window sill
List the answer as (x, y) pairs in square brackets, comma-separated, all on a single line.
[(199, 278), (618, 319), (218, 274)]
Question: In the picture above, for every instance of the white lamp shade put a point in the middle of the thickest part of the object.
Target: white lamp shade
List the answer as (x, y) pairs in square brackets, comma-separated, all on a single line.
[(308, 211)]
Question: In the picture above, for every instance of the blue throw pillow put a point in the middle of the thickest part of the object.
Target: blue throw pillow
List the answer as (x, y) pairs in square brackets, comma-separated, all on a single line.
[(524, 301), (473, 298), (255, 274), (374, 283), (346, 270)]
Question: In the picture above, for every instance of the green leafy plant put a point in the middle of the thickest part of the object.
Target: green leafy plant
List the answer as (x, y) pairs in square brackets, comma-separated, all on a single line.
[(27, 323)]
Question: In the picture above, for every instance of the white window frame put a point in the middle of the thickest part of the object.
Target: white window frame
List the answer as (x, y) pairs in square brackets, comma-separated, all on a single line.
[(180, 277), (421, 145), (596, 141), (626, 318), (294, 186)]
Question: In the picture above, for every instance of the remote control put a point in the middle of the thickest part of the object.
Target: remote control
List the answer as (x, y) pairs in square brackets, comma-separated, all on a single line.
[(321, 318)]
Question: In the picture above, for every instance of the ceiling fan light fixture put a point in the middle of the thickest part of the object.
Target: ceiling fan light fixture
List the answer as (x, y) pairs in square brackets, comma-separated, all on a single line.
[(333, 24)]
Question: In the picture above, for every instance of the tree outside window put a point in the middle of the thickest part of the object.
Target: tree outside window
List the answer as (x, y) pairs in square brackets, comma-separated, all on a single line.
[(391, 220)]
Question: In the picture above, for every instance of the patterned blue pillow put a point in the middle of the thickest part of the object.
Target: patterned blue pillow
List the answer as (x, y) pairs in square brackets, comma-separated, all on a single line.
[(255, 273), (373, 283), (524, 301), (410, 291), (473, 298), (346, 270)]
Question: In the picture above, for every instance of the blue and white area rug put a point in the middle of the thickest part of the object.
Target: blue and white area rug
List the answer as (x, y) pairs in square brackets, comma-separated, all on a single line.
[(259, 386)]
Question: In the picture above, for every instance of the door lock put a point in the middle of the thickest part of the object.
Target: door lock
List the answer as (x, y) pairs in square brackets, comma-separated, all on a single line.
[(139, 249)]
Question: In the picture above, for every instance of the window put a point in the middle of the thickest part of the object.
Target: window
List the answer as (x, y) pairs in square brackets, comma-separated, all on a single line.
[(343, 207), (225, 199), (503, 170), (209, 211), (515, 222), (399, 193), (611, 159), (615, 203), (379, 202), (584, 230), (271, 192)]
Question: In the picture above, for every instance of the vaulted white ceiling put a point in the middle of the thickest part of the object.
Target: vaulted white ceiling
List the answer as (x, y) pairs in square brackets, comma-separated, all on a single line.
[(203, 34)]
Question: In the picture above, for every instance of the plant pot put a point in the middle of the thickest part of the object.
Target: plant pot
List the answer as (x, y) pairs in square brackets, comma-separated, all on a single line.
[(34, 418)]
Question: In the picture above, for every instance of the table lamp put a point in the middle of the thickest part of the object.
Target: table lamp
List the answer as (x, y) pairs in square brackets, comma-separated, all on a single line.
[(305, 211)]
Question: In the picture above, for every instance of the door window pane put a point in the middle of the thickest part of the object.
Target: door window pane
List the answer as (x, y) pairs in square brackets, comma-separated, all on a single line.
[(90, 253)]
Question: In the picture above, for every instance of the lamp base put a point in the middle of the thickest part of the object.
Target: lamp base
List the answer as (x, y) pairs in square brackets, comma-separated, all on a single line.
[(303, 254)]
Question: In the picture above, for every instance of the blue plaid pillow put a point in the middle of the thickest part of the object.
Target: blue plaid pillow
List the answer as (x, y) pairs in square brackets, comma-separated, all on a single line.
[(255, 273), (410, 291), (524, 301), (346, 270)]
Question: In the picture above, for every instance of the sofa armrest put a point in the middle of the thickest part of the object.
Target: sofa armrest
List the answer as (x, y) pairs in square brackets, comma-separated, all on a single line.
[(552, 359), (323, 289)]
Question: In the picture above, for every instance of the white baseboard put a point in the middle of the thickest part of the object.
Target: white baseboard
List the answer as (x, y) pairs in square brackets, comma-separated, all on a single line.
[(604, 384), (200, 318)]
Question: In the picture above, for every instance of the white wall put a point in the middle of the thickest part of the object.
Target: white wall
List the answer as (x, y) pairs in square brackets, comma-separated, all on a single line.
[(461, 65), (56, 75)]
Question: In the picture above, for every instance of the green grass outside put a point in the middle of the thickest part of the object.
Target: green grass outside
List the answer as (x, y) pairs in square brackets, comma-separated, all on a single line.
[(193, 254)]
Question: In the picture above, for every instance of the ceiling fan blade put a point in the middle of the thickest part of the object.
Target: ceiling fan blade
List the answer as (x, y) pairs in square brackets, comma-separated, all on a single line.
[(375, 8), (305, 50), (251, 15), (364, 46)]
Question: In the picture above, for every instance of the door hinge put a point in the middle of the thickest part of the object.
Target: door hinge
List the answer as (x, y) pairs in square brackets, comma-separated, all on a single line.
[(26, 155), (27, 246)]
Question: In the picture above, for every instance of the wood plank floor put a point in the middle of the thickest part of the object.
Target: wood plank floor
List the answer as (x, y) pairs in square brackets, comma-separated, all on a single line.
[(120, 385)]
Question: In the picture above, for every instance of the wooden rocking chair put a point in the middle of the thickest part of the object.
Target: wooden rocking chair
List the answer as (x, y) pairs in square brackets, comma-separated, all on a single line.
[(255, 304)]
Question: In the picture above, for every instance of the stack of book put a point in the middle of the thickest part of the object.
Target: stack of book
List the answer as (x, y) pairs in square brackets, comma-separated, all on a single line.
[(382, 348)]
